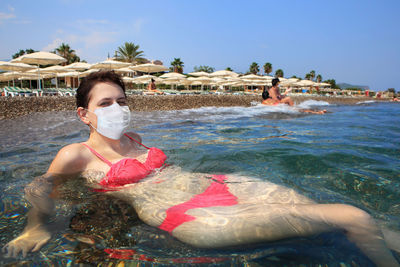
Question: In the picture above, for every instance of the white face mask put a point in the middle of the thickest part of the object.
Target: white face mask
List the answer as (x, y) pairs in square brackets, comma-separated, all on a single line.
[(112, 121)]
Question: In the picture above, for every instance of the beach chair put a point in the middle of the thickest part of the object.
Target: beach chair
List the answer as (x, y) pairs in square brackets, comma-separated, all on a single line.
[(10, 91)]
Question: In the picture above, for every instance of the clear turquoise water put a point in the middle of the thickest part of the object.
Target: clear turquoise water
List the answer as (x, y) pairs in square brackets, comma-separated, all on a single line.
[(350, 155)]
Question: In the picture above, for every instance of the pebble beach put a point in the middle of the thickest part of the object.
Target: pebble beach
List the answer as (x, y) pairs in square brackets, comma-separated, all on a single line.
[(12, 107)]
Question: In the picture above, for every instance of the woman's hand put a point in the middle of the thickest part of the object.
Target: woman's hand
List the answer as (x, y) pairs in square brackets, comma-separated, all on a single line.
[(288, 90), (29, 241)]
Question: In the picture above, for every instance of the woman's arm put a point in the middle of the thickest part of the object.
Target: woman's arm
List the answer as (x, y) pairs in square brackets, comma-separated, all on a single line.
[(40, 194)]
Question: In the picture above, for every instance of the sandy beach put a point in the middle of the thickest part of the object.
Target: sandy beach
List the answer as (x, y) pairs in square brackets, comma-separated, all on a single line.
[(12, 107)]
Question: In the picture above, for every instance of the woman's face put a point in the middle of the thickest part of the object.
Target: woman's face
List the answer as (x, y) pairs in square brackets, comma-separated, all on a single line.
[(103, 95)]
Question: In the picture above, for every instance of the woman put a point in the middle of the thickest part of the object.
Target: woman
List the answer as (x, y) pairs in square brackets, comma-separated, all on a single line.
[(152, 87), (199, 209), (273, 97)]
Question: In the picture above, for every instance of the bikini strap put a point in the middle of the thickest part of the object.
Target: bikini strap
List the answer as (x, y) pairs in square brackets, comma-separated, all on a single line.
[(136, 141), (98, 155)]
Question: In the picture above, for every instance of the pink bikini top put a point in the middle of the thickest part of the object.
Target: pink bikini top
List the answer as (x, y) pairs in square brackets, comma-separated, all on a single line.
[(128, 170)]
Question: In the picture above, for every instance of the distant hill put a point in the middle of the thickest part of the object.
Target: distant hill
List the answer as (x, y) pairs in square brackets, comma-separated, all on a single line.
[(347, 85)]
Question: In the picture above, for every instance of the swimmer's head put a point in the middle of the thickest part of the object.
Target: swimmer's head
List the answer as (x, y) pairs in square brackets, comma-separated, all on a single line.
[(90, 81), (275, 81)]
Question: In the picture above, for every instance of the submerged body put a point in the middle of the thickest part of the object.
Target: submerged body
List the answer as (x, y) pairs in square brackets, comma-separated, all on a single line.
[(209, 210)]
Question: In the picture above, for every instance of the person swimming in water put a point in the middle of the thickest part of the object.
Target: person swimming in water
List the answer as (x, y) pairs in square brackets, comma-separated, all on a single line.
[(152, 88), (273, 97), (203, 210)]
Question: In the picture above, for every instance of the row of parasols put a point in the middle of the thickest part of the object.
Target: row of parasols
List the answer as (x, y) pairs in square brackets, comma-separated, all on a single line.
[(26, 67)]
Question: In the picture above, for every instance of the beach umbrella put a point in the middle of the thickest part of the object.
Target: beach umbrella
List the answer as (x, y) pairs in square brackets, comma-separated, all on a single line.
[(110, 64), (199, 73), (14, 66), (128, 79), (54, 69), (174, 80), (149, 68), (224, 73), (40, 58), (146, 79), (173, 75), (78, 66), (69, 74), (124, 70), (86, 73), (251, 77), (201, 80), (11, 75)]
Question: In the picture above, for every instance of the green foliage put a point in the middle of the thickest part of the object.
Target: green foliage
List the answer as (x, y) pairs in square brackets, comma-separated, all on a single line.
[(177, 65), (130, 52), (66, 52), (254, 68), (279, 73), (22, 52), (229, 68), (312, 74), (333, 84), (308, 76), (267, 68), (391, 90), (207, 69), (294, 76), (319, 78)]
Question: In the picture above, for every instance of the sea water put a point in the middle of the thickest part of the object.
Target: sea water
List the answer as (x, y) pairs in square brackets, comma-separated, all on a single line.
[(349, 155)]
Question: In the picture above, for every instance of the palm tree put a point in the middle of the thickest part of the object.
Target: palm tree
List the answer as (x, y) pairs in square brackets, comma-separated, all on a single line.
[(177, 65), (22, 52), (130, 52), (207, 69), (312, 75), (229, 68), (319, 78), (66, 52), (268, 68), (279, 73), (308, 76), (254, 68)]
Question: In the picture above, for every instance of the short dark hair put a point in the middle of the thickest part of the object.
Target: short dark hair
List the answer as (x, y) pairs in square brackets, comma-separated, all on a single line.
[(87, 84), (275, 81), (265, 93)]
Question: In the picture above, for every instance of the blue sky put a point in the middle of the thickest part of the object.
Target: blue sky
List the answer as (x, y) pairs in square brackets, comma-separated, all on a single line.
[(357, 42)]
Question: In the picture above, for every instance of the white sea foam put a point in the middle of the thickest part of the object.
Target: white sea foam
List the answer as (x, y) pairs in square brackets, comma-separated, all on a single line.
[(365, 102), (312, 103)]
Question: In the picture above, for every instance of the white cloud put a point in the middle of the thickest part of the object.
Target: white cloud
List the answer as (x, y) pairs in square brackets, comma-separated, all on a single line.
[(4, 16), (138, 25), (10, 15), (54, 44), (93, 21), (98, 38)]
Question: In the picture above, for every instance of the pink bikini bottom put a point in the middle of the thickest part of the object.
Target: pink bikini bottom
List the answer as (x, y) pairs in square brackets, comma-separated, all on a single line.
[(216, 194)]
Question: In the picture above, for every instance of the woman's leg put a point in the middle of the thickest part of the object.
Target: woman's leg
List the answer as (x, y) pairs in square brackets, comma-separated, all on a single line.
[(251, 223), (287, 100)]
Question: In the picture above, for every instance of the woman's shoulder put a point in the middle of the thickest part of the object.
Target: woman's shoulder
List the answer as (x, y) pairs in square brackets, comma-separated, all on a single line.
[(72, 158), (135, 136)]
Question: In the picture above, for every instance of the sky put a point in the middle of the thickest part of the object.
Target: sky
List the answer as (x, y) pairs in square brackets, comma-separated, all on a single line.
[(356, 42)]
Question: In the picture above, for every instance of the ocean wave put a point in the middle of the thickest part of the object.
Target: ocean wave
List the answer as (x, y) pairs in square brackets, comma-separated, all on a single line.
[(312, 103), (365, 102)]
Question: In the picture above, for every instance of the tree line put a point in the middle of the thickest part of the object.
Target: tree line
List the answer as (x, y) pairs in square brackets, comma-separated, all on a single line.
[(130, 52)]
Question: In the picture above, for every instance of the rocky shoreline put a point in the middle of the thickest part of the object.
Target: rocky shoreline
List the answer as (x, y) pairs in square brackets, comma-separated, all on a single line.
[(12, 107)]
